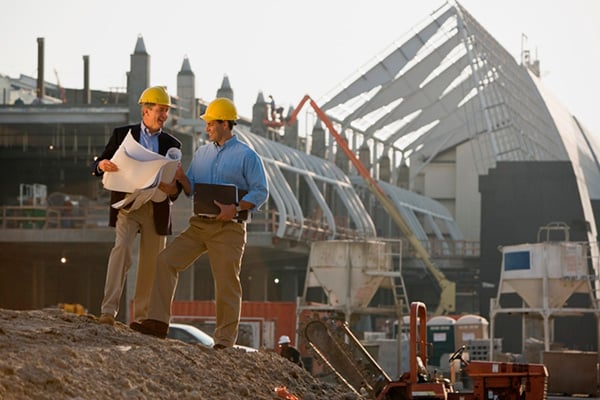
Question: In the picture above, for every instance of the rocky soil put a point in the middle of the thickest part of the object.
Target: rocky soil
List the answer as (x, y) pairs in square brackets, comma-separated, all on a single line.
[(53, 354)]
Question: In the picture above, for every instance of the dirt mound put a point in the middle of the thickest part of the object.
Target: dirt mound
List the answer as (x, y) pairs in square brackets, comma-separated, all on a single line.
[(52, 354)]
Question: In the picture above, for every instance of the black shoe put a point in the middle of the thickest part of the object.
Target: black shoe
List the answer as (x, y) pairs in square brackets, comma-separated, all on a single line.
[(151, 327), (136, 326)]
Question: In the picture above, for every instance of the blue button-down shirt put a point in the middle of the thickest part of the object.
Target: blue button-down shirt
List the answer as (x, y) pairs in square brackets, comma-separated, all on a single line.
[(233, 163), (149, 140)]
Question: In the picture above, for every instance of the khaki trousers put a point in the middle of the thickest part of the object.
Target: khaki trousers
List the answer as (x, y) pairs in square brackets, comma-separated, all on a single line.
[(121, 256), (224, 242)]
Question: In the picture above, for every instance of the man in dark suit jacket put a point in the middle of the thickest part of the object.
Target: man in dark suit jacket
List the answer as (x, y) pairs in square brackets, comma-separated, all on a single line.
[(152, 220)]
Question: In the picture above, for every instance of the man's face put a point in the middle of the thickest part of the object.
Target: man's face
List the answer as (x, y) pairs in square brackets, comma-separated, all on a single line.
[(155, 117), (218, 131)]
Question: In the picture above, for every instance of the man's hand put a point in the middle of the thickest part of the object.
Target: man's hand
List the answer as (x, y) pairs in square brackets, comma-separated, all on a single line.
[(168, 188), (180, 173), (182, 178), (171, 188), (107, 166), (227, 211)]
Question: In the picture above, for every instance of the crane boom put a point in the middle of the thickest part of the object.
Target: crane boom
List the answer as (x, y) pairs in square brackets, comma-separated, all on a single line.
[(63, 94), (447, 288)]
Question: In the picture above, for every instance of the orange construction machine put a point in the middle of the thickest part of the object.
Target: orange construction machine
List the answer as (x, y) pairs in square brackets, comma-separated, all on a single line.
[(333, 342)]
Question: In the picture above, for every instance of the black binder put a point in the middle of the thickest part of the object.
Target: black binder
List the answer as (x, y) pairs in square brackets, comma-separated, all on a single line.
[(206, 193)]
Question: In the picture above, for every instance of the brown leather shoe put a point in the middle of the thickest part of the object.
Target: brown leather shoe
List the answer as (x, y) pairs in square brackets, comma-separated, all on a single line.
[(106, 319), (151, 327)]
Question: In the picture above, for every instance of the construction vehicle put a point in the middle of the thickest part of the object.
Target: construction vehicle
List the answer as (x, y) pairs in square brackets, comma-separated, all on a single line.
[(447, 288), (336, 346)]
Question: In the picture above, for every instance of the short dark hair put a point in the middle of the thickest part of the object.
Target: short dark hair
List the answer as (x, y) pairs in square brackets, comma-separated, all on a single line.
[(230, 123)]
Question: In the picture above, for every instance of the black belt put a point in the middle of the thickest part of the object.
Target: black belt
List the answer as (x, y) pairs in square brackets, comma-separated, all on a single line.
[(239, 221)]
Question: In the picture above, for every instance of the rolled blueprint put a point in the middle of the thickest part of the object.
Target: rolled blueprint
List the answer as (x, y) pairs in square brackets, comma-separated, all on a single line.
[(140, 172)]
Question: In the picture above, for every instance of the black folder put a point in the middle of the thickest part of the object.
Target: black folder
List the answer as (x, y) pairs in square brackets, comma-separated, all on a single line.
[(206, 193)]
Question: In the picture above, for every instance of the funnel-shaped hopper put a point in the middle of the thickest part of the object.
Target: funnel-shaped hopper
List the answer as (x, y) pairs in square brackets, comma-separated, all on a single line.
[(347, 270), (551, 270)]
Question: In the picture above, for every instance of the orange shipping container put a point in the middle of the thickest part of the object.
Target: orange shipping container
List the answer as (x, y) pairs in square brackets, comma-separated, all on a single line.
[(261, 323)]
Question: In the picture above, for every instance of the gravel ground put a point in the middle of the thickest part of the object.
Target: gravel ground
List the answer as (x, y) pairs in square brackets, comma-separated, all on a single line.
[(53, 354)]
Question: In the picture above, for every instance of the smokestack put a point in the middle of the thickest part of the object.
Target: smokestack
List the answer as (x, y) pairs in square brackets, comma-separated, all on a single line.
[(40, 77), (87, 95)]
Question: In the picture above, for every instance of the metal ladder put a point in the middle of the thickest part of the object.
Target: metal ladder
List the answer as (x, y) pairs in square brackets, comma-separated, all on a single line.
[(400, 296), (394, 250)]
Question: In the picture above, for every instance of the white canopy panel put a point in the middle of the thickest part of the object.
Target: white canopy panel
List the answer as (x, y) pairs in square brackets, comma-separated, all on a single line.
[(324, 180), (449, 83)]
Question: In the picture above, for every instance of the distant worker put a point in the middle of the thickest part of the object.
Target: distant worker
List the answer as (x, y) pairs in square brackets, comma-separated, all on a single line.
[(224, 160), (276, 112), (288, 351), (152, 220), (272, 107)]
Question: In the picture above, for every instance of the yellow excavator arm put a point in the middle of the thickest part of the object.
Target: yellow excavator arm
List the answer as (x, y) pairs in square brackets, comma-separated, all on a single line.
[(447, 301)]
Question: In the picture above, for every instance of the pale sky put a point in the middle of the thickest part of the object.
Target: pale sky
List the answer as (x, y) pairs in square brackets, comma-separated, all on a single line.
[(284, 48)]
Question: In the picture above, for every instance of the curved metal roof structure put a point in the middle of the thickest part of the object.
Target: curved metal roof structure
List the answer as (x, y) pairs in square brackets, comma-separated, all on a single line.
[(319, 175), (426, 217), (285, 165), (451, 84)]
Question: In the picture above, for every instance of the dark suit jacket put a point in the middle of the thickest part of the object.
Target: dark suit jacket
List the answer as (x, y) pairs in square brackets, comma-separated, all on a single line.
[(162, 210)]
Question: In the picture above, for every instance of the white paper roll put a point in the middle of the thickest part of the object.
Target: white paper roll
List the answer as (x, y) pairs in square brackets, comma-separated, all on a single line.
[(173, 154)]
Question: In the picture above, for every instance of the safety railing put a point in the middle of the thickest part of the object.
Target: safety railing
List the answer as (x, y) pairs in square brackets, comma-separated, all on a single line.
[(267, 221), (53, 217)]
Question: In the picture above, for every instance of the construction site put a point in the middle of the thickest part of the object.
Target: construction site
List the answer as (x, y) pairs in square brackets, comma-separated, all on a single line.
[(430, 230)]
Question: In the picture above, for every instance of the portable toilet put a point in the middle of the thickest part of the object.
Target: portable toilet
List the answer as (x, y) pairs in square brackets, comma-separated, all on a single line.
[(468, 328), (440, 334)]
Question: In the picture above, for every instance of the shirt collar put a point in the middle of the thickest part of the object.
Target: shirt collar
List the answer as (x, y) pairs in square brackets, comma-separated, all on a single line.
[(147, 132), (232, 139)]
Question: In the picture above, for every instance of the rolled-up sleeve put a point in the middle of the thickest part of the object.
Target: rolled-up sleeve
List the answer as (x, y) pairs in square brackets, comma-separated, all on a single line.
[(258, 187)]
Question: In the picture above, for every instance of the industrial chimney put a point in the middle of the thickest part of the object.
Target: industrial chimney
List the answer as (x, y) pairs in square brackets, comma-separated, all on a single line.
[(40, 77), (87, 99)]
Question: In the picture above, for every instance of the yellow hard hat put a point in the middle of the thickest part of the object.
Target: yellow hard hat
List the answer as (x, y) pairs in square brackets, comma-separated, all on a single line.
[(220, 109), (156, 95)]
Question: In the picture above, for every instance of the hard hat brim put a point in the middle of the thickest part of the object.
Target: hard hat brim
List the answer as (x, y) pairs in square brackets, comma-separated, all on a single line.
[(160, 104)]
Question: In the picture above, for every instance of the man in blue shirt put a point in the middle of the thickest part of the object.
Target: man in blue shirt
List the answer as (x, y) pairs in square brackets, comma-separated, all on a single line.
[(225, 160)]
